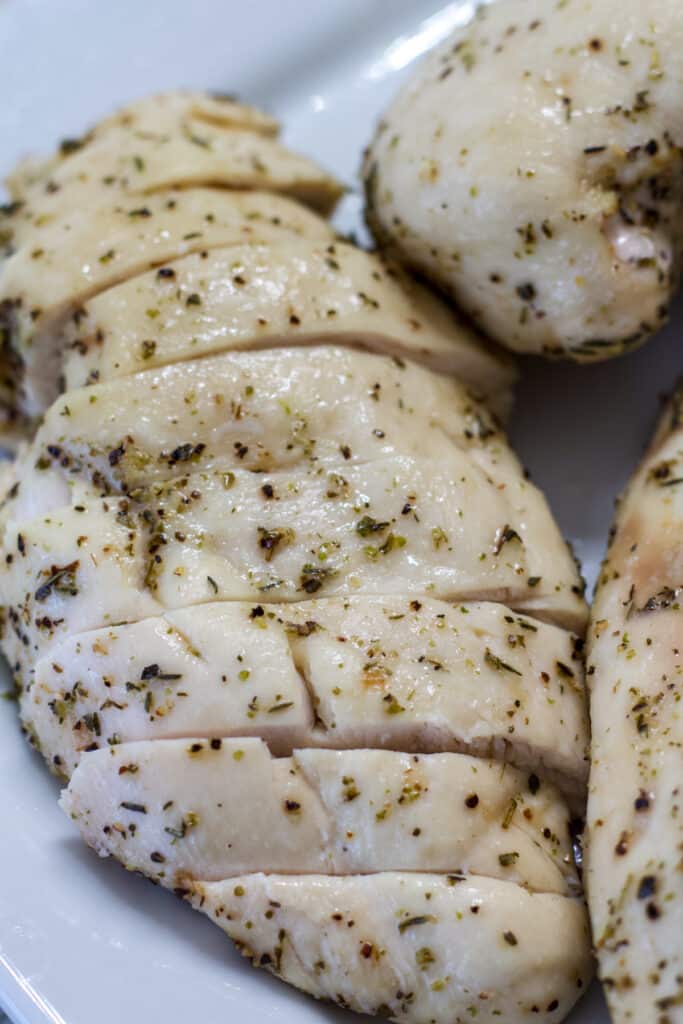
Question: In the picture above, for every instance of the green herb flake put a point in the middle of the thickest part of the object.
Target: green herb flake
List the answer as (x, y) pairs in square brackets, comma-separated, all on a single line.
[(498, 664), (413, 922)]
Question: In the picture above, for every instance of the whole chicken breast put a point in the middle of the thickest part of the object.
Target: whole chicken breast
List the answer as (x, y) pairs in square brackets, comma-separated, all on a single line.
[(532, 169), (392, 672), (635, 830)]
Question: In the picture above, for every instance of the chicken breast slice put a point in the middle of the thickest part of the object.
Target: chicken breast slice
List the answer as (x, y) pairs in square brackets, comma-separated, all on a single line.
[(149, 115), (162, 110), (532, 169), (264, 411), (275, 409), (167, 143), (388, 672), (319, 811), (396, 525), (635, 828), (414, 947), (294, 293), (43, 286)]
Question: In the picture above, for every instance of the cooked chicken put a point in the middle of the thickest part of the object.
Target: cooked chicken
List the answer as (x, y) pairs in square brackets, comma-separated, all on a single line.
[(329, 407), (214, 301), (362, 672), (174, 140), (532, 168), (161, 111), (268, 410), (286, 535), (263, 296), (108, 185), (392, 524), (43, 286), (412, 947), (635, 883), (231, 560), (76, 569), (317, 812), (151, 115), (189, 813)]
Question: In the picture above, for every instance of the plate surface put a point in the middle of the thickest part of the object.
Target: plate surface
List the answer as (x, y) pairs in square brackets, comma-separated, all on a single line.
[(80, 941)]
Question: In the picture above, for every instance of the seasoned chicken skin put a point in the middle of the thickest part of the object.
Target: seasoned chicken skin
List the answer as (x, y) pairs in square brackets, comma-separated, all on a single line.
[(280, 603), (635, 828), (532, 169)]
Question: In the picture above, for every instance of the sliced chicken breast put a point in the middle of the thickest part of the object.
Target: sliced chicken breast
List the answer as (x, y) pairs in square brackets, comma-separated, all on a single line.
[(532, 168), (411, 947), (161, 111), (389, 672), (319, 811), (223, 568), (44, 284), (265, 296), (46, 196), (393, 525), (91, 200), (635, 827)]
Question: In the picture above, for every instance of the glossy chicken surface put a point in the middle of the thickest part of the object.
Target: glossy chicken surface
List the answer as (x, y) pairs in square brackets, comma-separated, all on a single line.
[(532, 169), (635, 829)]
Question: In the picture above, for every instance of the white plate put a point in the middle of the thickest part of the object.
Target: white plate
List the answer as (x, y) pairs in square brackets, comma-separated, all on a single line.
[(80, 941)]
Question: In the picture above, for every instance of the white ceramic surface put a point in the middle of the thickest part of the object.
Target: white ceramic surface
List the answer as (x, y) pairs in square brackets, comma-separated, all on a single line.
[(80, 941)]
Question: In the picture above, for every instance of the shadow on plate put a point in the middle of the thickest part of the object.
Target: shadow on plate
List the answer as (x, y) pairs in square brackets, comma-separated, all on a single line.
[(142, 898)]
